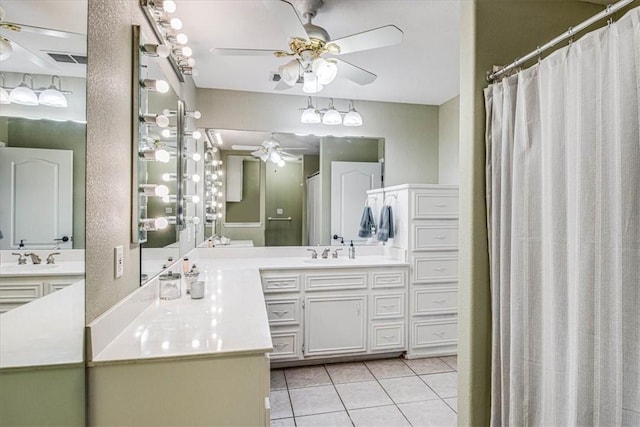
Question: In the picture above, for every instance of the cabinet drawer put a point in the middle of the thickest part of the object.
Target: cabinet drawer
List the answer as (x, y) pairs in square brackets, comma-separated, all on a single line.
[(431, 333), (387, 306), (20, 293), (285, 345), (280, 282), (386, 336), (435, 300), (388, 279), (435, 204), (285, 311), (345, 279), (435, 236), (435, 268)]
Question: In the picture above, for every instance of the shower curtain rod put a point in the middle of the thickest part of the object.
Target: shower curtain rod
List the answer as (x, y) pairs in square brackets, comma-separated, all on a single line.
[(610, 10)]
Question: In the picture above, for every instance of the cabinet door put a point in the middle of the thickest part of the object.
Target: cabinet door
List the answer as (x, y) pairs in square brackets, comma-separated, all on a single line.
[(335, 325)]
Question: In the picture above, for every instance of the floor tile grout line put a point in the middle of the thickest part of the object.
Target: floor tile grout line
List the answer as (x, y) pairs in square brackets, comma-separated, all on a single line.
[(338, 393), (286, 383), (383, 389)]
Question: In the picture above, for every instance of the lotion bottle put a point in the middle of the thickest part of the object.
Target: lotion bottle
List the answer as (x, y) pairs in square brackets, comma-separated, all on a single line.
[(352, 251)]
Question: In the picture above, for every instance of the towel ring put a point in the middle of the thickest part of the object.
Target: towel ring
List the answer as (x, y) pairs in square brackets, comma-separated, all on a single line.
[(389, 196)]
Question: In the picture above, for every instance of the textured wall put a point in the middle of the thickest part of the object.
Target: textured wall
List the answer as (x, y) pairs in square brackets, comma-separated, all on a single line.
[(410, 131), (109, 146), (449, 141)]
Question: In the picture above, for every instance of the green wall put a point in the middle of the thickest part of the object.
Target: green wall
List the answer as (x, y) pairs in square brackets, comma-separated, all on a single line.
[(248, 209), (50, 134), (284, 189)]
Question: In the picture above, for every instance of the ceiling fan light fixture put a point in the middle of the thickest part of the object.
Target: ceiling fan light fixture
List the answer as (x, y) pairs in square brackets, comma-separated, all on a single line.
[(23, 94), (53, 96), (311, 84), (290, 72), (4, 96), (281, 163), (332, 116), (352, 118), (275, 156), (325, 70)]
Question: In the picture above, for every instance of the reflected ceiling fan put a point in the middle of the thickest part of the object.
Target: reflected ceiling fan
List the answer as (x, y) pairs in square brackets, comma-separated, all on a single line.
[(313, 50), (269, 150)]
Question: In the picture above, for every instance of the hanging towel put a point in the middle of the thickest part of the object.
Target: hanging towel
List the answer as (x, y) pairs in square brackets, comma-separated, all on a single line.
[(385, 229), (366, 223)]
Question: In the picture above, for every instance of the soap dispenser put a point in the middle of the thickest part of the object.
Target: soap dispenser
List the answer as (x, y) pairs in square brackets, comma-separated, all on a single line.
[(352, 251)]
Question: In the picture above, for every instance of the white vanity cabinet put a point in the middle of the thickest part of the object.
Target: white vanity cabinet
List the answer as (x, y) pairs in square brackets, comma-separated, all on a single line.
[(336, 311), (426, 218), (16, 291)]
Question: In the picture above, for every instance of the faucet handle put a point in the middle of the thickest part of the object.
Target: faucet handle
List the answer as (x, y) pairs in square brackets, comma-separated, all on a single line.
[(335, 253), (314, 254), (22, 259), (51, 259), (35, 258)]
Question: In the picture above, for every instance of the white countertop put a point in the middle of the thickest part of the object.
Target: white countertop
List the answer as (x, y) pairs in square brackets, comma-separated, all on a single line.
[(231, 319), (46, 331)]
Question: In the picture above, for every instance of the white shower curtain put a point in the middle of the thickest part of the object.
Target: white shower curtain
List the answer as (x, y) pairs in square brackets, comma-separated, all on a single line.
[(563, 200)]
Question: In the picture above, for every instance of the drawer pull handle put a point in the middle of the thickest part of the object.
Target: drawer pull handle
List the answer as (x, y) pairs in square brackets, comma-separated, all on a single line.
[(280, 313), (386, 279), (439, 301), (440, 205), (439, 237), (279, 346), (389, 306), (439, 334), (388, 337), (440, 269), (279, 284)]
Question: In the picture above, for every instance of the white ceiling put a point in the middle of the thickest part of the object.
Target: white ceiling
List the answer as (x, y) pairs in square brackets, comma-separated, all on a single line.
[(423, 69)]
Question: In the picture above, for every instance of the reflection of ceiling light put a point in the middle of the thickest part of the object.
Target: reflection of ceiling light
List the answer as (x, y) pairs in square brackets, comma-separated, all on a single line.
[(4, 95), (332, 116), (159, 120), (160, 50), (159, 155), (5, 48), (310, 114), (281, 163), (311, 84), (156, 85), (23, 94), (155, 190), (182, 38)]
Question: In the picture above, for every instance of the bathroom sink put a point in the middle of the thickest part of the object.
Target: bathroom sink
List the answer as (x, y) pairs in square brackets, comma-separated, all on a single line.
[(330, 261), (27, 268)]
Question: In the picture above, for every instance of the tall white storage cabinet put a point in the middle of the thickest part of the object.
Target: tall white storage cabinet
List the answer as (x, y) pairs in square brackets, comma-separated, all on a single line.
[(426, 224)]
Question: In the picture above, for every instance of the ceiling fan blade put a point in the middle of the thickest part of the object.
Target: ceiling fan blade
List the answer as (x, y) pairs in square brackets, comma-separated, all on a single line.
[(258, 153), (354, 73), (282, 86), (388, 35), (242, 52), (289, 156), (43, 31), (284, 13), (245, 147)]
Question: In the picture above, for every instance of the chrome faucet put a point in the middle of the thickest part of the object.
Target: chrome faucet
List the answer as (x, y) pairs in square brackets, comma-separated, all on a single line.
[(51, 259), (21, 258), (314, 254), (34, 257), (335, 253), (325, 253)]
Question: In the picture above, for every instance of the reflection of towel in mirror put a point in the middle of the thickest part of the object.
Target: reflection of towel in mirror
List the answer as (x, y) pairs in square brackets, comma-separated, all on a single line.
[(366, 223), (385, 229)]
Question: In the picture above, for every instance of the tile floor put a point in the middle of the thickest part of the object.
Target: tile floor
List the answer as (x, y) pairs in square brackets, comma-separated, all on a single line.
[(387, 392)]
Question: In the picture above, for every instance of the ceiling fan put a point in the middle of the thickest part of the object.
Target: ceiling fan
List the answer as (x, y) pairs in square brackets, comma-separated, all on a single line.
[(270, 149), (313, 52)]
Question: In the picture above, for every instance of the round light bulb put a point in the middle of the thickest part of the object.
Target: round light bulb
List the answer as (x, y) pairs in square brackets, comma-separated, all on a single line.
[(196, 157), (162, 191), (197, 114), (162, 86), (195, 178), (161, 223), (281, 163), (219, 205), (167, 177), (163, 51), (219, 214), (166, 133), (191, 63), (196, 134), (182, 38), (220, 173), (187, 51), (169, 6), (220, 194), (176, 23), (196, 220), (195, 199), (162, 120), (163, 156)]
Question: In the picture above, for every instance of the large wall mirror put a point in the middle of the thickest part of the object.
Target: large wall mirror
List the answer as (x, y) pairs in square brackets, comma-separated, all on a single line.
[(283, 189), (42, 211)]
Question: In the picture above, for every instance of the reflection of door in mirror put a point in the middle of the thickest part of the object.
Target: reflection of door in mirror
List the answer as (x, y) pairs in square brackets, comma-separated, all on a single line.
[(284, 193), (37, 190)]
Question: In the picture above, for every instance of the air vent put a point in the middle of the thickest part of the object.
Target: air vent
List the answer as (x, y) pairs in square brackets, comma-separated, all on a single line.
[(275, 77), (68, 58)]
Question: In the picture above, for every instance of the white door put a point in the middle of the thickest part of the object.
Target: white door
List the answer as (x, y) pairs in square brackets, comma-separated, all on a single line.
[(350, 182), (334, 324), (36, 189)]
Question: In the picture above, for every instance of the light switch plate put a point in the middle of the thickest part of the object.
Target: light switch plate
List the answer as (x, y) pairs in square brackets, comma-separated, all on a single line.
[(168, 210), (279, 211), (119, 261)]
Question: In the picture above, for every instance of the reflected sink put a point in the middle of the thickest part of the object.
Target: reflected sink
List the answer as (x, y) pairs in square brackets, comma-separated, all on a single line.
[(330, 261), (27, 268)]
